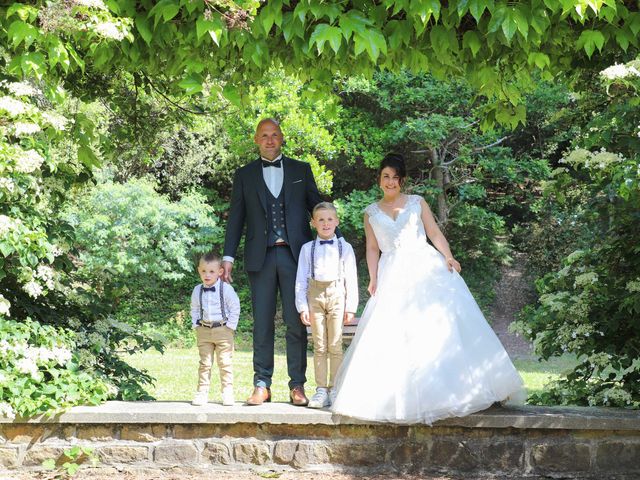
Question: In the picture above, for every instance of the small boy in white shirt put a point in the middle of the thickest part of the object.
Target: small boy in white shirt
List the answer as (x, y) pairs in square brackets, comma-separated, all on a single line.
[(215, 310), (326, 297)]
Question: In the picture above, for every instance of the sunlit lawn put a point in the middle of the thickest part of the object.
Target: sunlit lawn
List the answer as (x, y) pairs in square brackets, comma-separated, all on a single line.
[(176, 374)]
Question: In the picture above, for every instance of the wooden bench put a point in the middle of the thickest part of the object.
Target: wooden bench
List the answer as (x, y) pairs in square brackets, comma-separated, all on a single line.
[(348, 331)]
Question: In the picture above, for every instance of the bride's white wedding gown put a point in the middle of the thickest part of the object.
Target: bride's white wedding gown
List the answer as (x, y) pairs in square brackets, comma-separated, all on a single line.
[(423, 350)]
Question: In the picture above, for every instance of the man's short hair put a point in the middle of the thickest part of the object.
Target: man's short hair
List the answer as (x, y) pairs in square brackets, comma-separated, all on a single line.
[(324, 206)]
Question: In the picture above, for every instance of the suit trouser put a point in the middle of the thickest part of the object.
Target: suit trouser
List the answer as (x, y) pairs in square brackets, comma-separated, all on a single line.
[(326, 311), (278, 273), (219, 341)]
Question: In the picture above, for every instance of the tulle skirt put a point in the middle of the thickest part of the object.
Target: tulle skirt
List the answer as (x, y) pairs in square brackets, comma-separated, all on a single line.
[(423, 351)]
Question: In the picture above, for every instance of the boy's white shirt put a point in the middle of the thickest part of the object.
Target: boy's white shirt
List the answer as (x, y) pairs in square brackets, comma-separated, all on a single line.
[(211, 305), (327, 270)]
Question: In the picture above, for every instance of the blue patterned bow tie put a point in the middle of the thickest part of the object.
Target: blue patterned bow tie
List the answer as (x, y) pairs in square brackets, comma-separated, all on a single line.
[(209, 289), (322, 242), (277, 163)]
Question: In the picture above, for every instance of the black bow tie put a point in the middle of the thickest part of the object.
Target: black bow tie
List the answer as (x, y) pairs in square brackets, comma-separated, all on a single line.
[(275, 163), (322, 242), (209, 289)]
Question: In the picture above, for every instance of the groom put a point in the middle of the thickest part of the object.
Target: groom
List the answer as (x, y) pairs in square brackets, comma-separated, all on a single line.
[(272, 196)]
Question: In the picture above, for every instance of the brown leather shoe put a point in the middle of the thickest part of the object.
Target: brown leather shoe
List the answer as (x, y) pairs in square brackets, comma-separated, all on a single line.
[(297, 396), (259, 396)]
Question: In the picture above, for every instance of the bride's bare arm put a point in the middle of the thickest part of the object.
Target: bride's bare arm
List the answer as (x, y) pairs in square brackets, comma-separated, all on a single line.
[(373, 255), (437, 238)]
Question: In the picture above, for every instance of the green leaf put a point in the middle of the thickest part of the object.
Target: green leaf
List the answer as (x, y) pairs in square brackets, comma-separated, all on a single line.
[(49, 464), (87, 157), (399, 33), (622, 39), (353, 21), (142, 25), (231, 93), (509, 24), (590, 40), (540, 60), (471, 40), (20, 31), (191, 84), (23, 11), (76, 58), (33, 63), (477, 8), (58, 54), (633, 22), (323, 33), (212, 27), (520, 17)]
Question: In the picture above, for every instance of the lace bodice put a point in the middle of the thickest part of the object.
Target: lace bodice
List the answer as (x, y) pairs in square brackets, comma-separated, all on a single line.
[(406, 231)]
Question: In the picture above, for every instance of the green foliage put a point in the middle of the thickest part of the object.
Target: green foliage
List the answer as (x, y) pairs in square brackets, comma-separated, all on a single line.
[(40, 371), (70, 462), (495, 45), (128, 230), (591, 306)]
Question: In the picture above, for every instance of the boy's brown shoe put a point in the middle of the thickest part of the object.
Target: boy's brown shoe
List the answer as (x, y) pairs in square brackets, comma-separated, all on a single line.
[(259, 396), (297, 396)]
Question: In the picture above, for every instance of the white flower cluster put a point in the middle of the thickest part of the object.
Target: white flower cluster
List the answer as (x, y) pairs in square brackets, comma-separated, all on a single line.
[(25, 128), (28, 366), (109, 30), (45, 274), (56, 120), (20, 89), (6, 224), (6, 411), (34, 289), (28, 161), (97, 4), (7, 184), (5, 305), (29, 358), (12, 106), (620, 71)]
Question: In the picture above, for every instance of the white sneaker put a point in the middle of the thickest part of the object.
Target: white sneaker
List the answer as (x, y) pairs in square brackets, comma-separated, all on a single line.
[(227, 397), (200, 398), (320, 399)]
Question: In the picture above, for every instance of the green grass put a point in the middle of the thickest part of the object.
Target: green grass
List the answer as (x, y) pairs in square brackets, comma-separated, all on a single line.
[(176, 374)]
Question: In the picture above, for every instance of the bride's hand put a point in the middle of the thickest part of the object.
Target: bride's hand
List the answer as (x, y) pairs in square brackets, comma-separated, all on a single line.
[(372, 287), (453, 264)]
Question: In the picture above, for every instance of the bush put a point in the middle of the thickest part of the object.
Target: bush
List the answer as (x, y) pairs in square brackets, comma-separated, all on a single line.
[(41, 371)]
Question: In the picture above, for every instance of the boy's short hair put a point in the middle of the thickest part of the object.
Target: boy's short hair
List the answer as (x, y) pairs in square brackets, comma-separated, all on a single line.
[(324, 206), (209, 256)]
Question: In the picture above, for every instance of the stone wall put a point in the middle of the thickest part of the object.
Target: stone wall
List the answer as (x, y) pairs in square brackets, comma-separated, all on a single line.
[(519, 443)]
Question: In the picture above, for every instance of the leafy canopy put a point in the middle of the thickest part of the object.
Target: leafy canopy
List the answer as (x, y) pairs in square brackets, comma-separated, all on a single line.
[(213, 46)]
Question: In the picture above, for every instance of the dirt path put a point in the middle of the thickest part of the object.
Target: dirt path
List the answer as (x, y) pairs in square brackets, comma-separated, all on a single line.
[(513, 292)]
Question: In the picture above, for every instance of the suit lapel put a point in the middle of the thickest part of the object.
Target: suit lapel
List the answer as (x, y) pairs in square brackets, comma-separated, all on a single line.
[(288, 166), (258, 181)]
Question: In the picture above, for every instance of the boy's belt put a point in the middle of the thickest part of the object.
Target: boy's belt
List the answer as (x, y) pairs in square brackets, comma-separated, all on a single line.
[(210, 323)]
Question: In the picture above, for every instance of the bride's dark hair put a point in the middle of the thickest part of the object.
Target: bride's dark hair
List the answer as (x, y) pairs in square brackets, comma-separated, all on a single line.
[(395, 161)]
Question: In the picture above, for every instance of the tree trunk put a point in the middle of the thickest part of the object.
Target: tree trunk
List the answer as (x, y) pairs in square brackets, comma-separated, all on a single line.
[(438, 174)]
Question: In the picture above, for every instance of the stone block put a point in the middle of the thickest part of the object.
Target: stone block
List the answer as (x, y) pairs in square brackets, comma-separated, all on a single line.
[(122, 454), (188, 432), (357, 454), (9, 457), (175, 453), (143, 433), (310, 453), (23, 433), (618, 456), (506, 456), (409, 457), (561, 457), (253, 452), (96, 432), (218, 453), (284, 451), (39, 453), (454, 455)]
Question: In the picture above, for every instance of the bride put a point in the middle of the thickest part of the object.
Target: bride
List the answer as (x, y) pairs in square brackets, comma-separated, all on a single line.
[(423, 350)]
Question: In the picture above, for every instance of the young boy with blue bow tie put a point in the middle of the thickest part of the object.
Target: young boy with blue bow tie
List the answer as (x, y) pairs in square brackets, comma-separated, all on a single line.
[(215, 310), (326, 297)]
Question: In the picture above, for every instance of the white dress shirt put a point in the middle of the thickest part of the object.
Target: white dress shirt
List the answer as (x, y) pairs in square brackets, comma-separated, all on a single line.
[(273, 178), (211, 305), (328, 268)]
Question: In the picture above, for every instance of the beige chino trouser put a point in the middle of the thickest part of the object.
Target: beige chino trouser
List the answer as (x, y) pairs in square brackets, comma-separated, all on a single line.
[(217, 341), (326, 313)]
